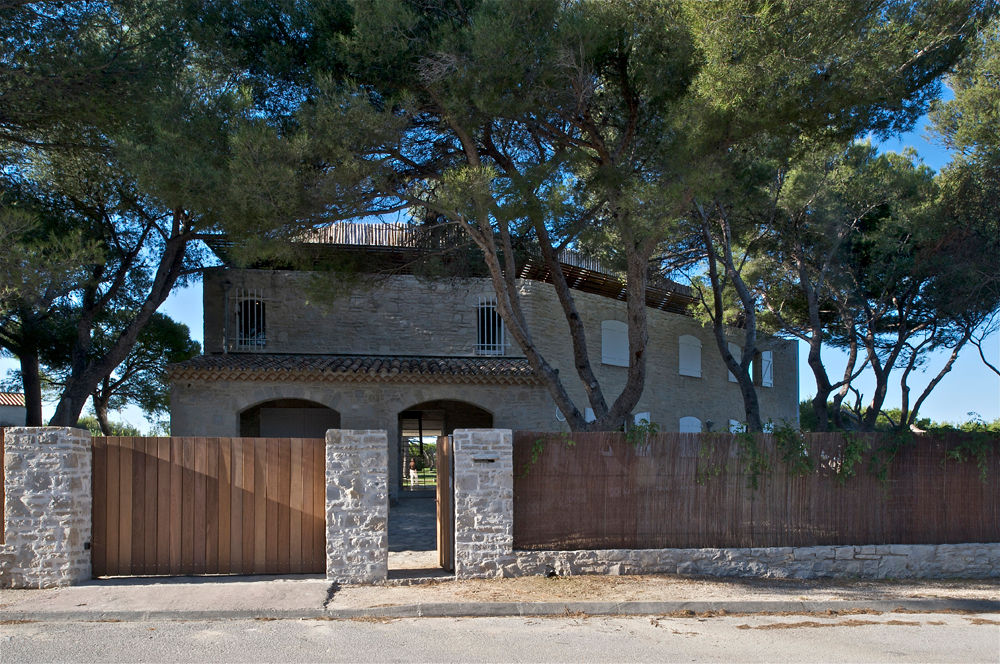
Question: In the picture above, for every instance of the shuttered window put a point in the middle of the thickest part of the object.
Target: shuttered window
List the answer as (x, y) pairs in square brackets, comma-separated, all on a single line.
[(690, 425), (767, 368), (689, 360), (614, 343)]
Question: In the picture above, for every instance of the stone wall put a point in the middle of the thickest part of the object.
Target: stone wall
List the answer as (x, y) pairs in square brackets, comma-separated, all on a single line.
[(892, 561), (47, 507), (484, 503), (357, 506)]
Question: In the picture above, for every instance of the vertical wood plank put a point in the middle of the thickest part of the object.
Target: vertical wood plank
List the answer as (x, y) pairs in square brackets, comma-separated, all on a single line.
[(99, 507), (187, 505), (112, 553), (273, 468), (198, 561), (249, 503), (308, 473), (125, 506), (284, 502), (226, 490), (259, 528), (212, 506), (236, 509), (151, 467), (138, 564), (296, 479), (319, 508), (163, 505), (176, 505)]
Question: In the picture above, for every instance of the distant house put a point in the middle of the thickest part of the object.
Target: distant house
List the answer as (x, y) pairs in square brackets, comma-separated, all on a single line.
[(421, 357), (12, 410)]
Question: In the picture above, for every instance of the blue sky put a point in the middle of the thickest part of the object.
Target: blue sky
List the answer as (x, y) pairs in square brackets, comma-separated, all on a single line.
[(970, 387)]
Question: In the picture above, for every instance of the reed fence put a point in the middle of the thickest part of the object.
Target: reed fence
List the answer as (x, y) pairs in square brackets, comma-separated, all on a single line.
[(600, 491)]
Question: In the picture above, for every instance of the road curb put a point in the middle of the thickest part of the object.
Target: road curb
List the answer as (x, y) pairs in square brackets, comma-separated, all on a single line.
[(521, 609)]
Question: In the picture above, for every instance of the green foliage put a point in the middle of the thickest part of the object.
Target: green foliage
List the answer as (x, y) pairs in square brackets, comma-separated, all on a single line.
[(538, 448), (792, 449), (851, 454), (976, 449), (638, 433), (754, 457), (90, 423), (706, 471)]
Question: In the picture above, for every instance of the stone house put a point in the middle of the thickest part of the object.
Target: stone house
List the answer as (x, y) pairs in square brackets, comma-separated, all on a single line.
[(421, 357)]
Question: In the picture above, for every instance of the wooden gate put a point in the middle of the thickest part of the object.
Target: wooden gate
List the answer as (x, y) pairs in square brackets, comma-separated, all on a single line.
[(445, 504), (209, 506)]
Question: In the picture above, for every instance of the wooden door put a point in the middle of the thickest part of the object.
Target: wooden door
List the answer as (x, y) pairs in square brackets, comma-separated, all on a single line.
[(172, 506), (445, 504)]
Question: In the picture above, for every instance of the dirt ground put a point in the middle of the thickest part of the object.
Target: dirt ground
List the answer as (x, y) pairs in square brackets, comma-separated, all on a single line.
[(661, 588)]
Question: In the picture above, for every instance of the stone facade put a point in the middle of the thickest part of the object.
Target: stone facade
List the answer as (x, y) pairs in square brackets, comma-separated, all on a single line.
[(47, 507), (484, 503), (892, 561), (405, 315), (357, 506)]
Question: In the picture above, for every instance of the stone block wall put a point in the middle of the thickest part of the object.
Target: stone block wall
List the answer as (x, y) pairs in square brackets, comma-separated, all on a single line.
[(484, 503), (892, 561), (357, 506), (47, 509)]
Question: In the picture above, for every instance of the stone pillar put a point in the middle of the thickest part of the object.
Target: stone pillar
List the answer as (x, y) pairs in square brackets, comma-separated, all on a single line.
[(484, 502), (47, 511), (357, 506)]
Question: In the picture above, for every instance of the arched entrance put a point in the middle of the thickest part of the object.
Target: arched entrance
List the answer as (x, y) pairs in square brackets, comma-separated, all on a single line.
[(288, 418), (419, 428)]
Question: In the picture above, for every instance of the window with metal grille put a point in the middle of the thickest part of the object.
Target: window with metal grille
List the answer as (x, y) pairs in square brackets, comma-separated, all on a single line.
[(489, 327), (250, 319)]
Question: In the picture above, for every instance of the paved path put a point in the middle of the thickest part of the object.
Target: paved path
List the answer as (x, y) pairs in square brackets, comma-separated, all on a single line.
[(413, 539)]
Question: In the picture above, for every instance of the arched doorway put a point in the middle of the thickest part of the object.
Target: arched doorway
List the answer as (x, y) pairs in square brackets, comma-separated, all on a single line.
[(288, 418), (419, 428)]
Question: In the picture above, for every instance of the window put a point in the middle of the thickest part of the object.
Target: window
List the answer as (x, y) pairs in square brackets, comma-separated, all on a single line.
[(735, 426), (643, 418), (690, 425), (251, 324), (689, 362), (614, 343), (767, 368), (489, 327), (589, 416), (737, 354)]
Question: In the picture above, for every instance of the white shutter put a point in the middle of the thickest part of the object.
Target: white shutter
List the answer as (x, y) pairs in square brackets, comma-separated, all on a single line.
[(735, 426), (614, 343), (639, 417), (767, 368), (737, 354), (590, 417), (689, 360), (690, 425)]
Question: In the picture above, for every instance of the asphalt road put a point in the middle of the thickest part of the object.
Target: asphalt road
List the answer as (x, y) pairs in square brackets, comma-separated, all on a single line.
[(853, 638)]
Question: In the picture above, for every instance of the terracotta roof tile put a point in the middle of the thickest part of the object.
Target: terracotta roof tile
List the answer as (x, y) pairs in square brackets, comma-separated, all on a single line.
[(381, 368), (11, 399)]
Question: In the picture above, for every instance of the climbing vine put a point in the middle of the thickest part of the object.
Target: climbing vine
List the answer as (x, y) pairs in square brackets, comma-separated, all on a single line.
[(538, 448)]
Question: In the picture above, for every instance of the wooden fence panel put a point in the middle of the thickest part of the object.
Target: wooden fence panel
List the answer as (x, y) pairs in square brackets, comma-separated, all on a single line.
[(693, 490), (170, 506)]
